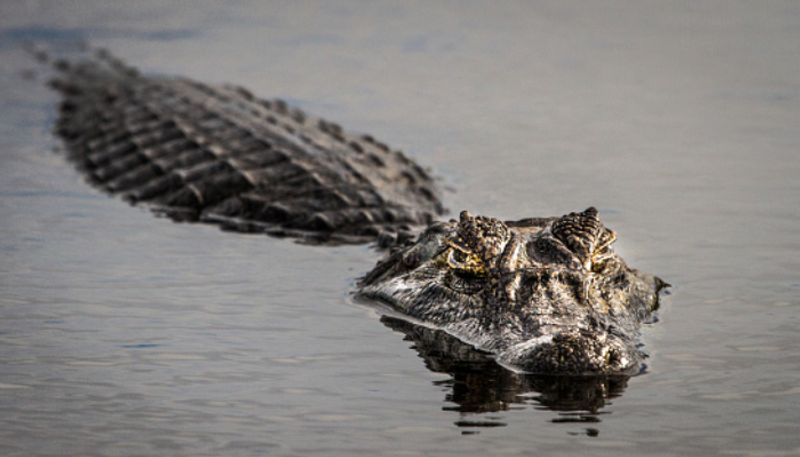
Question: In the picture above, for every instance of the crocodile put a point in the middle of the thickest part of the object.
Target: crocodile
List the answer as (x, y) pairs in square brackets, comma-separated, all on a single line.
[(540, 295)]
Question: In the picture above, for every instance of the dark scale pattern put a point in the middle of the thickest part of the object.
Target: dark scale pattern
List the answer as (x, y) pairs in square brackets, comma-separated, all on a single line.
[(580, 232), (219, 154), (485, 236)]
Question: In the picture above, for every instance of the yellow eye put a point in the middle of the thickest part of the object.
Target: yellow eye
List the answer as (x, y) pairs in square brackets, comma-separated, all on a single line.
[(464, 261), (456, 257), (601, 251)]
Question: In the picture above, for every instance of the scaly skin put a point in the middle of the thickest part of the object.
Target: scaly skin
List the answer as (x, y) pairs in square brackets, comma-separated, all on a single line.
[(219, 154), (542, 295)]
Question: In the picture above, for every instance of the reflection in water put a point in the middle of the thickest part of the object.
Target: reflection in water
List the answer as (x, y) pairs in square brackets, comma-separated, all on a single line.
[(479, 385)]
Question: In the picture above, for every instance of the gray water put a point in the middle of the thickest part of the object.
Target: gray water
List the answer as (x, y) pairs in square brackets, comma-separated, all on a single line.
[(124, 334)]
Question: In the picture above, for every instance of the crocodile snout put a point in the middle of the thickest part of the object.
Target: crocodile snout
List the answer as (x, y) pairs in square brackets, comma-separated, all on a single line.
[(577, 353)]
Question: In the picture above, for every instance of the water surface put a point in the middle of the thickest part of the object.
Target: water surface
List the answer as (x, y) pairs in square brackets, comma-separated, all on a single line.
[(124, 334)]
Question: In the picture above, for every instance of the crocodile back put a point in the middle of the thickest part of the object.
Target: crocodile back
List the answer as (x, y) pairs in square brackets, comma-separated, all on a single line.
[(208, 153)]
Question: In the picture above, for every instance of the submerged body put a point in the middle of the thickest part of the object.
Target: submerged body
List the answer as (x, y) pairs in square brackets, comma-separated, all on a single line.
[(543, 295)]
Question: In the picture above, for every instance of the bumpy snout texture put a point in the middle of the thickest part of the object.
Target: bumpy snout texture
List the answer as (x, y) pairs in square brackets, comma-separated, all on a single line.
[(544, 295), (575, 353)]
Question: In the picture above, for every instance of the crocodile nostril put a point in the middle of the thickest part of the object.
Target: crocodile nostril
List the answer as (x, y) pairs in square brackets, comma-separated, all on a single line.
[(613, 358)]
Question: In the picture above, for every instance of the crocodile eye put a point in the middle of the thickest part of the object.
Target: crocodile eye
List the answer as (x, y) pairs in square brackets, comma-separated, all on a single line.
[(458, 260), (586, 237), (457, 257), (461, 260), (466, 272)]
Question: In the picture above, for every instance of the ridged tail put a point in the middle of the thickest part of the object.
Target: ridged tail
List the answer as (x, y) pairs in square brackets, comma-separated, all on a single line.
[(219, 154)]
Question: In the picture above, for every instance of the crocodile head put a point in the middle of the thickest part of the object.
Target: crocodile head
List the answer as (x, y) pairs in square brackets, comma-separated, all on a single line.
[(543, 295)]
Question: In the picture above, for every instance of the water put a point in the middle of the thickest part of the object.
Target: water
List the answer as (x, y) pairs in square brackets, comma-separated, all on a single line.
[(124, 334)]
